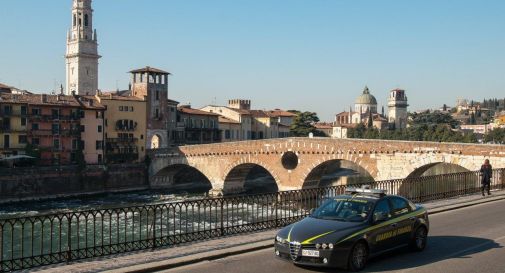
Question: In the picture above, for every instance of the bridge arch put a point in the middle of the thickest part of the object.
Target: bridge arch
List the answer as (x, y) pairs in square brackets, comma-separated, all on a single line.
[(336, 171), (181, 177), (419, 181), (237, 174)]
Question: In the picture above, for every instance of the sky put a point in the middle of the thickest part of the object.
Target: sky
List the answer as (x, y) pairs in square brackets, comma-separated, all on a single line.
[(309, 55)]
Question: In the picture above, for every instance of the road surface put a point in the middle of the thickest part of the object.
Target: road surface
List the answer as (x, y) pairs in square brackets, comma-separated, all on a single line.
[(465, 240)]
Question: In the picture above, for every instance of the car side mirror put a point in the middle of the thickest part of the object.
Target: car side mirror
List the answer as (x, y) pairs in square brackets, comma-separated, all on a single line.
[(379, 217)]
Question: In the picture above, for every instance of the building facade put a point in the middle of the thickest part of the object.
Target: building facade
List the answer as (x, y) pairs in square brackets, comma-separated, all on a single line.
[(53, 127), (200, 127), (13, 125), (125, 128), (82, 51)]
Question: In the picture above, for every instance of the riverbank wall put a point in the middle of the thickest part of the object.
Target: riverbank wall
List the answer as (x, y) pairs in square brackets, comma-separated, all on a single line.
[(39, 183)]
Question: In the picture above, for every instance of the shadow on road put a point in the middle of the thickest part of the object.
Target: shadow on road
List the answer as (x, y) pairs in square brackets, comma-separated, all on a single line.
[(439, 248)]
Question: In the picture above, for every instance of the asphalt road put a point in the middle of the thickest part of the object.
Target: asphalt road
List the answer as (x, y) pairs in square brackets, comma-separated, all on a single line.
[(465, 240)]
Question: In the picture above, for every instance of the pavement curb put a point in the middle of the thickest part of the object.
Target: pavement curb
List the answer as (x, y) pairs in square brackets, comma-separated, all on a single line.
[(237, 250), (182, 261)]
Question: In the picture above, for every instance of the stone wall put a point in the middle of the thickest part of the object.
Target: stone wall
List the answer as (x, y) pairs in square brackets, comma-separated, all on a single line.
[(51, 182)]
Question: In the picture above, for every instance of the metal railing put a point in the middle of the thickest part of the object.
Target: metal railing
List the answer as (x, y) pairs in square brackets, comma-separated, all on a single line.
[(27, 242)]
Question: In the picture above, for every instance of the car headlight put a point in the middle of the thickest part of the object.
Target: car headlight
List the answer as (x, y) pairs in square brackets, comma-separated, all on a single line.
[(278, 238), (331, 246)]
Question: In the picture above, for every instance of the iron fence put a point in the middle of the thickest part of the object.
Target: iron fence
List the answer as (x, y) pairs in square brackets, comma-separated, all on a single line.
[(27, 242)]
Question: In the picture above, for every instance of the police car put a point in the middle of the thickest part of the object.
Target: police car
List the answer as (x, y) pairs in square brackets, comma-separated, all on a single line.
[(345, 231)]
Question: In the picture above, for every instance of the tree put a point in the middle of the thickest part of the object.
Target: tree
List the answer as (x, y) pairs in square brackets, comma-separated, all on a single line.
[(370, 120), (496, 135), (303, 124), (433, 118)]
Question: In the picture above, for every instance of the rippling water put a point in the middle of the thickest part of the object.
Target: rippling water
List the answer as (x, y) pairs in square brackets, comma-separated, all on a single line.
[(93, 202)]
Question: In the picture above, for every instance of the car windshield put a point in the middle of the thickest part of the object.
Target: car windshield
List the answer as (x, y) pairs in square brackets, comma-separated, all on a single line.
[(344, 209)]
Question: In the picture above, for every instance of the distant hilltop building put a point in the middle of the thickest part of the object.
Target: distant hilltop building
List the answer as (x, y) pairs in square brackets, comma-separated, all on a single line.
[(365, 112), (397, 104), (82, 51)]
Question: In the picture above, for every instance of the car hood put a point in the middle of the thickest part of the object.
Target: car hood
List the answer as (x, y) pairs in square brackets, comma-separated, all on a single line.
[(312, 230)]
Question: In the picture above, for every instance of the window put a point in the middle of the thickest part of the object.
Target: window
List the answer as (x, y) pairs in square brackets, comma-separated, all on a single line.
[(23, 121), (35, 111), (99, 145), (100, 159), (131, 108), (55, 113), (55, 128), (85, 20), (227, 134), (400, 206), (75, 144), (100, 128), (141, 136), (157, 95), (106, 123), (22, 139), (83, 128), (35, 141), (56, 144), (75, 20), (157, 114), (23, 110), (382, 207)]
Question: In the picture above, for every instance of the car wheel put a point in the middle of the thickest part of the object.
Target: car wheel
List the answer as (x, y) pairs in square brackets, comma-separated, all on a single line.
[(358, 257), (420, 239)]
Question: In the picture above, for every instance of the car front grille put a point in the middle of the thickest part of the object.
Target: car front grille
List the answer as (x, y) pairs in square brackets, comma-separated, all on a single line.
[(294, 250)]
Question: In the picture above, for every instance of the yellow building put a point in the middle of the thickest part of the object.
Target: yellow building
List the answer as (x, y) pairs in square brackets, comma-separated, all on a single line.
[(13, 125), (125, 128), (499, 121)]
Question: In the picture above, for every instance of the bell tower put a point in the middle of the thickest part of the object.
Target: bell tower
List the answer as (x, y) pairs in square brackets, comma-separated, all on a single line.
[(82, 51)]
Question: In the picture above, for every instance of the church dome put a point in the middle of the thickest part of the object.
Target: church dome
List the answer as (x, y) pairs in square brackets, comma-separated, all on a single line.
[(366, 98)]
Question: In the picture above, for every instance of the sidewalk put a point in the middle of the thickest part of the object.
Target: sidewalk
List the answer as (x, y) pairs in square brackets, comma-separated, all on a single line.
[(165, 258)]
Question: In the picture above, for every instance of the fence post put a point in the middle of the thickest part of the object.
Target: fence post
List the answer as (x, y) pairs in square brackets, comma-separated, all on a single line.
[(154, 225), (222, 216), (502, 178), (69, 237)]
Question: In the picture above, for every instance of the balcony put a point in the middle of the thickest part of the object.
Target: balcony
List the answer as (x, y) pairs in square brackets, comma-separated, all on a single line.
[(122, 157), (49, 132), (13, 113), (69, 118), (122, 140), (10, 129)]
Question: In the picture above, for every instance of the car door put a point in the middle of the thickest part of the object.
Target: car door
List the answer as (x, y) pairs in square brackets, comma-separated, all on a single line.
[(380, 236), (400, 207)]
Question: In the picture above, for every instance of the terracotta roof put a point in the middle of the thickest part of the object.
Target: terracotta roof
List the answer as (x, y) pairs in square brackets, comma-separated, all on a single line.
[(227, 120), (260, 114), (172, 101), (345, 113), (240, 111), (354, 125), (113, 96), (281, 113), (45, 99), (323, 126), (150, 70), (192, 111)]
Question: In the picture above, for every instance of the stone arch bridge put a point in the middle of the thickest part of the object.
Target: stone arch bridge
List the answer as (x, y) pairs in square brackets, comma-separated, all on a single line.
[(293, 162)]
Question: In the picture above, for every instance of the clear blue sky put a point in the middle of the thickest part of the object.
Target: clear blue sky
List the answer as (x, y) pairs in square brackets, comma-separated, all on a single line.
[(293, 54)]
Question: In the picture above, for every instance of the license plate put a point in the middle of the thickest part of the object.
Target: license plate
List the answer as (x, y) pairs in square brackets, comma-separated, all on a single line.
[(310, 253)]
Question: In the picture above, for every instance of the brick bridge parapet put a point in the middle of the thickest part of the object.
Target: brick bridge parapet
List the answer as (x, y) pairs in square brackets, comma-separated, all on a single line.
[(382, 159)]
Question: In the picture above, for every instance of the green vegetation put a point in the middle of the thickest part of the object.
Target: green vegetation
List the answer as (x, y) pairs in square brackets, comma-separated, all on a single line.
[(496, 136), (303, 124), (426, 126)]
